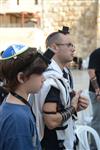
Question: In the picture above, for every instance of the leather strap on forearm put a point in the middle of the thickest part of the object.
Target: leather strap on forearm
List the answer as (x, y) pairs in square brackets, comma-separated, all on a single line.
[(67, 113)]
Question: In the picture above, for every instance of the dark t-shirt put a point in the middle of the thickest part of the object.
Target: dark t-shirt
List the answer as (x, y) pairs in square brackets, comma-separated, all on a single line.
[(94, 63), (49, 141)]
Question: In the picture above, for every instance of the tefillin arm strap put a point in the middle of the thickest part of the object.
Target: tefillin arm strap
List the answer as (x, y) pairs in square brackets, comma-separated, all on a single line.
[(23, 100)]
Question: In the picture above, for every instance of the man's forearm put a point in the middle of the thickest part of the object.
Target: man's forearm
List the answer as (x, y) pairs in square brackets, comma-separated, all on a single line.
[(94, 83)]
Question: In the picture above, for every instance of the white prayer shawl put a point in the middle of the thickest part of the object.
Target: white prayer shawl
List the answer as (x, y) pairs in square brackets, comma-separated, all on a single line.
[(52, 77)]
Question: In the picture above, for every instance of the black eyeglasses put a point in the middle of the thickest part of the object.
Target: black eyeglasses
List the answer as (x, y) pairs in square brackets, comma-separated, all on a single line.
[(66, 44)]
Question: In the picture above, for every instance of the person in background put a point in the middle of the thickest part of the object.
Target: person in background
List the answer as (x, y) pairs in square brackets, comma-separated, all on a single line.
[(21, 67), (94, 88), (54, 112)]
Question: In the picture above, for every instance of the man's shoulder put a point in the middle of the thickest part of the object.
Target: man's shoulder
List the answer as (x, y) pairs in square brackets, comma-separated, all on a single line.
[(49, 82), (96, 51)]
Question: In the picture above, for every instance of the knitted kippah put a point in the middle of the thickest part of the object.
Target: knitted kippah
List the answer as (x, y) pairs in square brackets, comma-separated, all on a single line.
[(12, 51)]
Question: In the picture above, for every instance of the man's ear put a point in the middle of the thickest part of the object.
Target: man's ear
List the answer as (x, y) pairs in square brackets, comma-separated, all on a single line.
[(21, 77), (54, 47)]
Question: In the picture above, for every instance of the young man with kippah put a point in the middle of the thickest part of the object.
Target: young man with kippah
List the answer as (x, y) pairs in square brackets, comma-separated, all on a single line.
[(21, 68), (55, 110)]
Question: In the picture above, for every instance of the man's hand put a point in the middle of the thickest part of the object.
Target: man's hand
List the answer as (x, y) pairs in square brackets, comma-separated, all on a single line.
[(75, 100), (82, 103)]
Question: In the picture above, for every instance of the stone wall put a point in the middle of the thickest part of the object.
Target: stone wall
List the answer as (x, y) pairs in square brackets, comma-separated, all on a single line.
[(98, 25), (79, 15)]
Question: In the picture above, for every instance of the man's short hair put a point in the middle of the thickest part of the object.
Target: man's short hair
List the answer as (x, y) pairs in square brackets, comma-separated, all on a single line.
[(55, 36), (51, 38)]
